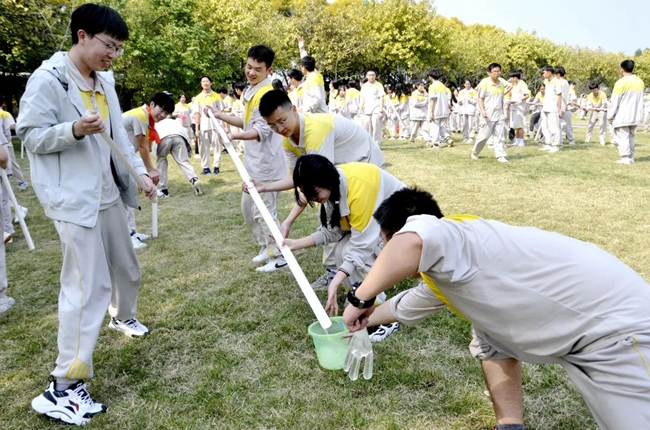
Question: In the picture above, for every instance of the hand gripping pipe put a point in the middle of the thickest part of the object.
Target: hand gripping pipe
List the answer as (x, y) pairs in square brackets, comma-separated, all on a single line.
[(303, 283)]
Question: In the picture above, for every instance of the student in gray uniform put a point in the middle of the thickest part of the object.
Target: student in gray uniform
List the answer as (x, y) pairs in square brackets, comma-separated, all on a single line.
[(563, 301)]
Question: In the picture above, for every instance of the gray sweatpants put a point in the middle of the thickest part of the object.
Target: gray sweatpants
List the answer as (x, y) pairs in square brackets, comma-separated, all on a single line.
[(253, 216), (174, 145), (16, 172), (490, 129), (438, 129), (3, 263), (6, 212), (567, 123), (100, 270), (372, 124), (594, 117), (210, 139), (624, 137), (551, 129)]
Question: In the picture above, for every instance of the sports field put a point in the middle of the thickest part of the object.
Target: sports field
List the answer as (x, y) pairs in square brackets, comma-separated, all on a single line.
[(229, 346)]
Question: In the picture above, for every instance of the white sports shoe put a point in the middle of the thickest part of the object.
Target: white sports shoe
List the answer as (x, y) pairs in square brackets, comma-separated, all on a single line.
[(502, 160), (72, 406), (274, 265), (23, 211), (474, 156), (8, 238), (381, 332), (6, 303), (266, 253), (131, 327), (554, 149), (137, 244), (23, 185), (625, 160), (141, 236), (324, 280)]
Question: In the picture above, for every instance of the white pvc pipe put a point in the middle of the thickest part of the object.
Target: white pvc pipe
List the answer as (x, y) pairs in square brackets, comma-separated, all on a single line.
[(138, 180), (303, 283), (21, 220)]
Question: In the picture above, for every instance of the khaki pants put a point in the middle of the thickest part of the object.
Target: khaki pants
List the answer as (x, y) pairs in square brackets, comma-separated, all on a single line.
[(372, 124), (3, 263), (174, 145), (16, 172), (593, 119), (417, 125), (567, 124), (490, 129), (624, 137), (253, 216), (468, 125), (438, 129), (210, 139), (551, 129), (99, 269)]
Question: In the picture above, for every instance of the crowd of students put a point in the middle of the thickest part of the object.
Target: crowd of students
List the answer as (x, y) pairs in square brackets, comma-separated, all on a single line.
[(329, 153)]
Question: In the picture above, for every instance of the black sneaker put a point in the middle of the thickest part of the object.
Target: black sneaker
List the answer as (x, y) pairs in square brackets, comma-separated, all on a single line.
[(216, 171), (206, 172)]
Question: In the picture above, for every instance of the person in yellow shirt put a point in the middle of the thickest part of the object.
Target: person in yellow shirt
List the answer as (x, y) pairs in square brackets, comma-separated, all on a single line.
[(313, 96), (625, 111), (597, 109), (467, 100), (209, 138), (439, 108), (352, 94), (371, 105)]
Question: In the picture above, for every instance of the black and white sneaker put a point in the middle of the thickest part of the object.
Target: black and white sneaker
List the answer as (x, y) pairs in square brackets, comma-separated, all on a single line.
[(131, 327), (273, 265), (198, 190), (380, 332), (72, 406)]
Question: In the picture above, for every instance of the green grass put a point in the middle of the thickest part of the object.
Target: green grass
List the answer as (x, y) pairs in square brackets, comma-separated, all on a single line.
[(229, 348)]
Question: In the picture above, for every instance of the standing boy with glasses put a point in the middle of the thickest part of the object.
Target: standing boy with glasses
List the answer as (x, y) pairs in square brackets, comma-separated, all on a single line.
[(78, 180)]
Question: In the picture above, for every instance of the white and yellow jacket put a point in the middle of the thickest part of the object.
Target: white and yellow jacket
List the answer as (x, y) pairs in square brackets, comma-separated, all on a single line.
[(626, 105), (65, 171), (363, 188)]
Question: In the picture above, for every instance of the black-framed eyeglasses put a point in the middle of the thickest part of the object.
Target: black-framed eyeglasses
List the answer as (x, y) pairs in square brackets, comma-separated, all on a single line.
[(110, 48)]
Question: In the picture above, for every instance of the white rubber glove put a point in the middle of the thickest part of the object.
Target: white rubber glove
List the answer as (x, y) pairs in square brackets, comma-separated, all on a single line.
[(359, 348)]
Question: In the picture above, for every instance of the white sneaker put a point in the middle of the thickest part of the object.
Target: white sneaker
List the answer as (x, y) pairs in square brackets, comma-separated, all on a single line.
[(23, 211), (474, 156), (161, 194), (554, 149), (6, 303), (197, 156), (137, 244), (265, 254), (502, 160), (8, 238), (72, 406), (23, 185), (572, 143), (625, 160), (381, 332), (141, 236), (545, 147), (274, 265), (131, 327)]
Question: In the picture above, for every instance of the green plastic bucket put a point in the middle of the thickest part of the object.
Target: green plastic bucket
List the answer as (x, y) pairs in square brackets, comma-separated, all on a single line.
[(330, 347)]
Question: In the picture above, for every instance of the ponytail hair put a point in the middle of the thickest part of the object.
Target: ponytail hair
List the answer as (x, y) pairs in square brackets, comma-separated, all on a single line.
[(315, 171)]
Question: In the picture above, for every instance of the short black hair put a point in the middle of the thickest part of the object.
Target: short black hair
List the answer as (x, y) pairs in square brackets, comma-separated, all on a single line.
[(443, 79), (627, 66), (434, 73), (548, 68), (273, 100), (95, 19), (182, 95), (164, 100), (353, 84), (295, 74), (336, 84), (392, 214), (222, 90), (468, 80), (262, 54), (308, 62), (240, 86), (278, 85), (315, 171), (493, 65), (593, 86), (559, 70), (515, 74), (205, 76)]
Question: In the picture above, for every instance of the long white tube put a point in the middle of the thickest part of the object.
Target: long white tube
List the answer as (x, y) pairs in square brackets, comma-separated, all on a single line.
[(138, 180), (303, 283), (21, 220)]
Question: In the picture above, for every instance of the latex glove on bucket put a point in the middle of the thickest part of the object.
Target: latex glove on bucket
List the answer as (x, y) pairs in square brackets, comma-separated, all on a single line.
[(360, 348)]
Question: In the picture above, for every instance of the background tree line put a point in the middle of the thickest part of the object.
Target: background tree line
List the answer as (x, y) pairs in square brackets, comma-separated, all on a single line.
[(173, 42)]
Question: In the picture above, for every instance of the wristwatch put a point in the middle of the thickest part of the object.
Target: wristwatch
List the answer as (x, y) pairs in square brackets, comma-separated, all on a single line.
[(358, 303)]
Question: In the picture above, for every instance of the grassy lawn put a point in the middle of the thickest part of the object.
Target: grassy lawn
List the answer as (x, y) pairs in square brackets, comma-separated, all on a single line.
[(229, 347)]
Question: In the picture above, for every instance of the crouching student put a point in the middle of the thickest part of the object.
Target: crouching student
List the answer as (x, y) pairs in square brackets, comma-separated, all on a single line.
[(564, 302), (348, 195)]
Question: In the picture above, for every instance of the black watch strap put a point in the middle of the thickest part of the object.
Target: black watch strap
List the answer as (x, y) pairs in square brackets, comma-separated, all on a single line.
[(358, 303)]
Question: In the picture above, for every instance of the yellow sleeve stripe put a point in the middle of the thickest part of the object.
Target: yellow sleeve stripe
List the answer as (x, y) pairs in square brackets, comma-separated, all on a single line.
[(317, 127), (629, 83), (363, 181), (255, 102), (288, 146)]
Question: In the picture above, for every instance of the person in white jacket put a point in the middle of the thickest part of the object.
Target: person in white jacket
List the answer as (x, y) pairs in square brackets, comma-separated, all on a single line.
[(419, 105), (625, 111), (78, 181)]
